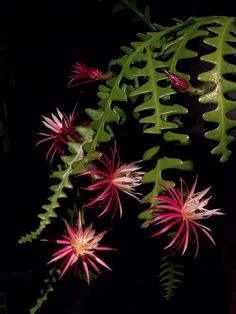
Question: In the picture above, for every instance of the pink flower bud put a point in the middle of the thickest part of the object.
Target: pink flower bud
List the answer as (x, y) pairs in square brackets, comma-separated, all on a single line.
[(82, 74), (178, 83)]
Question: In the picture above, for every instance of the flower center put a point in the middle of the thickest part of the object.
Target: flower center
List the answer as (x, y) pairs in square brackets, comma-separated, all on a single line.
[(190, 208), (80, 248)]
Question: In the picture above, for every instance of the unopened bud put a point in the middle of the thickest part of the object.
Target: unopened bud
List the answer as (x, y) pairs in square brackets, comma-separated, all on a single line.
[(178, 83)]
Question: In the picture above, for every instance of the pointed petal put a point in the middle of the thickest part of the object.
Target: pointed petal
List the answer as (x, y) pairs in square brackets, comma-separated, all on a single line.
[(69, 252), (67, 265), (86, 271)]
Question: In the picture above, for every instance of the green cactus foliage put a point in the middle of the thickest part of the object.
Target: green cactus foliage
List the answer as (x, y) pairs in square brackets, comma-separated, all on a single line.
[(49, 287), (75, 161), (142, 71), (170, 276), (223, 41), (138, 15)]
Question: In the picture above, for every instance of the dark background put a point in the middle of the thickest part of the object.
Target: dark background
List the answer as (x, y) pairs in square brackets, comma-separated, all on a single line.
[(41, 40)]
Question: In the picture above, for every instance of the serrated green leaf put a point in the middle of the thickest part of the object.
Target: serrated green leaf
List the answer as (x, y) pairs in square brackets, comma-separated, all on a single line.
[(223, 33)]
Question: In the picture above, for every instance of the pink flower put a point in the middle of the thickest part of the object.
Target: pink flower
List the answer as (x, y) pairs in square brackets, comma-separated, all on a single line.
[(80, 246), (82, 74), (61, 130), (182, 214), (111, 178), (178, 83)]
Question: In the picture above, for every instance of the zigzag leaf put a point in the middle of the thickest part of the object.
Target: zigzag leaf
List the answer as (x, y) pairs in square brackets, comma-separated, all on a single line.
[(49, 282), (170, 276), (158, 121), (106, 114), (58, 191), (155, 175), (221, 42)]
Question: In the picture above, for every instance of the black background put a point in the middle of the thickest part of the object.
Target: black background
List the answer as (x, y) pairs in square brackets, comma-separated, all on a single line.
[(41, 42)]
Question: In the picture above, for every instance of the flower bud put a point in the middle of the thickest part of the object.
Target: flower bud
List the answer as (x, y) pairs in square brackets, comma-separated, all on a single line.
[(178, 83), (82, 74)]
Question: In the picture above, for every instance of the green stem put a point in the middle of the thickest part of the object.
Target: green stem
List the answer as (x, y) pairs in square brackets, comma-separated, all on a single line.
[(141, 16)]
